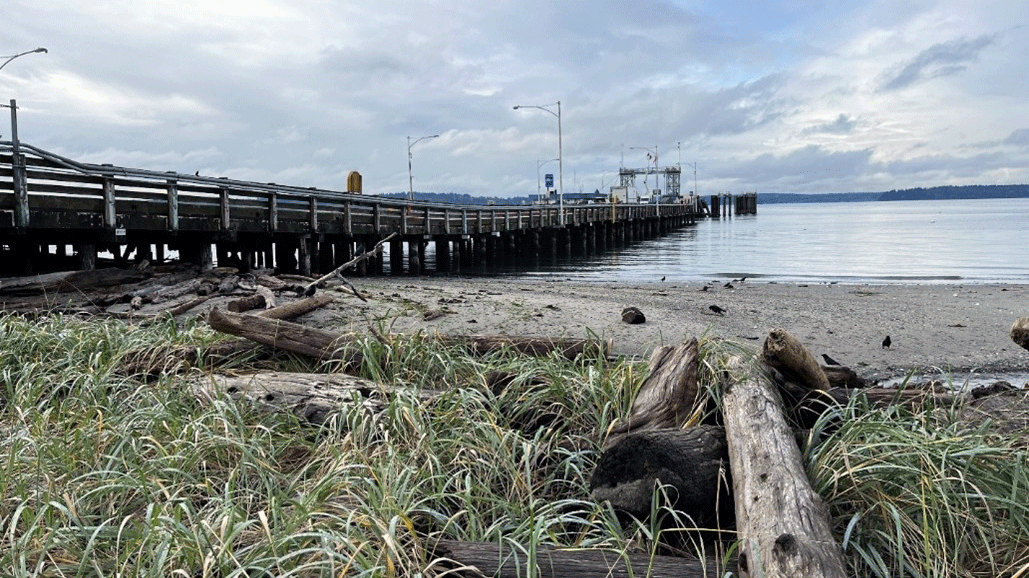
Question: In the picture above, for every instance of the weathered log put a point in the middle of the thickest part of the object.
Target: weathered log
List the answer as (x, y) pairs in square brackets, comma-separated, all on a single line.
[(153, 361), (295, 309), (315, 343), (783, 524), (786, 354), (186, 306), (476, 559), (843, 377), (570, 348), (313, 397), (693, 461), (67, 281), (247, 303), (1020, 332), (668, 395)]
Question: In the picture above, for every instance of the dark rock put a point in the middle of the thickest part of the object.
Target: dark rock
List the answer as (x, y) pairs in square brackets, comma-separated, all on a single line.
[(633, 316)]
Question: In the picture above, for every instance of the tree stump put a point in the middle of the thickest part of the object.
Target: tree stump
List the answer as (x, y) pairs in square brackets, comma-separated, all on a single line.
[(667, 396), (694, 462)]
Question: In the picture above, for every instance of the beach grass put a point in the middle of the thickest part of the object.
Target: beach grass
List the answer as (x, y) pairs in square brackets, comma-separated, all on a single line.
[(106, 475)]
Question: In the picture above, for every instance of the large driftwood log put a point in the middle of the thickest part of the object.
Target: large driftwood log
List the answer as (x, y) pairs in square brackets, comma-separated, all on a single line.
[(1020, 332), (316, 343), (313, 397), (667, 397), (297, 308), (783, 352), (693, 461), (477, 559), (783, 524)]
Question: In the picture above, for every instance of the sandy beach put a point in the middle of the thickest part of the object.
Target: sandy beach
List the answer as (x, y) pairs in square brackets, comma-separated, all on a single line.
[(935, 329)]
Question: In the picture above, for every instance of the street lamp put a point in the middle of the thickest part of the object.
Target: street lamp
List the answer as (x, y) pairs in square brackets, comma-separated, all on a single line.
[(539, 163), (410, 176), (560, 157), (10, 58), (21, 199)]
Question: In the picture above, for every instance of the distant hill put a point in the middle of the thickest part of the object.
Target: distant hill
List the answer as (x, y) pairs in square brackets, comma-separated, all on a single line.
[(916, 194), (962, 192), (775, 198)]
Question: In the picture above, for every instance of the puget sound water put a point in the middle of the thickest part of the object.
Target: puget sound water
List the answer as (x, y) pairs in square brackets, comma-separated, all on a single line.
[(916, 242)]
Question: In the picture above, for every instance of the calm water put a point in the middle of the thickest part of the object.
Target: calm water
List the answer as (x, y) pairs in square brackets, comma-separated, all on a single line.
[(878, 242)]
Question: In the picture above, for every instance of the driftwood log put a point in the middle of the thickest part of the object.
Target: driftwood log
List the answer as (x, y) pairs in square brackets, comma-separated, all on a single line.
[(668, 394), (279, 334), (150, 362), (477, 559), (787, 355), (1020, 332), (313, 397), (783, 524), (324, 345)]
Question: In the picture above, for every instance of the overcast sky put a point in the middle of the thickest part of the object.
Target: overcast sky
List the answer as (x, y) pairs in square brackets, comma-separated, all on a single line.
[(787, 96)]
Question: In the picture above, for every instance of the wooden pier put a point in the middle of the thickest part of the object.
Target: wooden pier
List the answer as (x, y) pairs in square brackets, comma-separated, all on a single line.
[(58, 214)]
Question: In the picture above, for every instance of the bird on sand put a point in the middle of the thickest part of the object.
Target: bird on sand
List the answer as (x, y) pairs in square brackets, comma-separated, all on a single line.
[(705, 288), (717, 309), (829, 360), (887, 342), (728, 286), (662, 277)]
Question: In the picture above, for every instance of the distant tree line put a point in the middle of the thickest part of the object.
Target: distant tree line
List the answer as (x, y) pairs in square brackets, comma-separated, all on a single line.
[(915, 194)]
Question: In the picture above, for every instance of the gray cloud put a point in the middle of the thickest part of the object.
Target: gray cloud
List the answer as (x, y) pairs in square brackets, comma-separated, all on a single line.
[(1018, 137), (938, 60), (842, 125)]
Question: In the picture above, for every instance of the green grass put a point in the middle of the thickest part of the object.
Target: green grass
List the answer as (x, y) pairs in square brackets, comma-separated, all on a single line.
[(103, 475)]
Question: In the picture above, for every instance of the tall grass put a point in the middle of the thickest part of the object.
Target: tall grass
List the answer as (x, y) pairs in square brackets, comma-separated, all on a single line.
[(101, 475)]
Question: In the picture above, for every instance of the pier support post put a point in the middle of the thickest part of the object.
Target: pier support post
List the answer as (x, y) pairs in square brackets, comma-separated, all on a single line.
[(396, 256), (414, 266), (442, 255)]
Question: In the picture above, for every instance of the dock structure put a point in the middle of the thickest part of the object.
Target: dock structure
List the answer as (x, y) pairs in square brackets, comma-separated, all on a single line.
[(59, 214), (725, 205)]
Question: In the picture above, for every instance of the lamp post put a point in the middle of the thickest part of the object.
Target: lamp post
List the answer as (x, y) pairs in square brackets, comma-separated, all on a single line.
[(10, 58), (560, 157), (410, 175), (539, 163), (21, 200)]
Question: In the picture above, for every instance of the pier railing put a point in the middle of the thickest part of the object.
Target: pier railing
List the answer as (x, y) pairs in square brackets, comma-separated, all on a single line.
[(49, 203), (61, 194)]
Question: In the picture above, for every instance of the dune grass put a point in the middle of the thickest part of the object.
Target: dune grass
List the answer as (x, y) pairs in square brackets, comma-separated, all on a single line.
[(104, 475)]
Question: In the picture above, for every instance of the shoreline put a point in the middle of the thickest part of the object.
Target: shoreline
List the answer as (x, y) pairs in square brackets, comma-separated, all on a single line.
[(936, 329)]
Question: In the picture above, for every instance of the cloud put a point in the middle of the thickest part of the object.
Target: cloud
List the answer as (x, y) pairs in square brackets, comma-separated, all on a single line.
[(843, 124), (945, 59), (1019, 137)]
